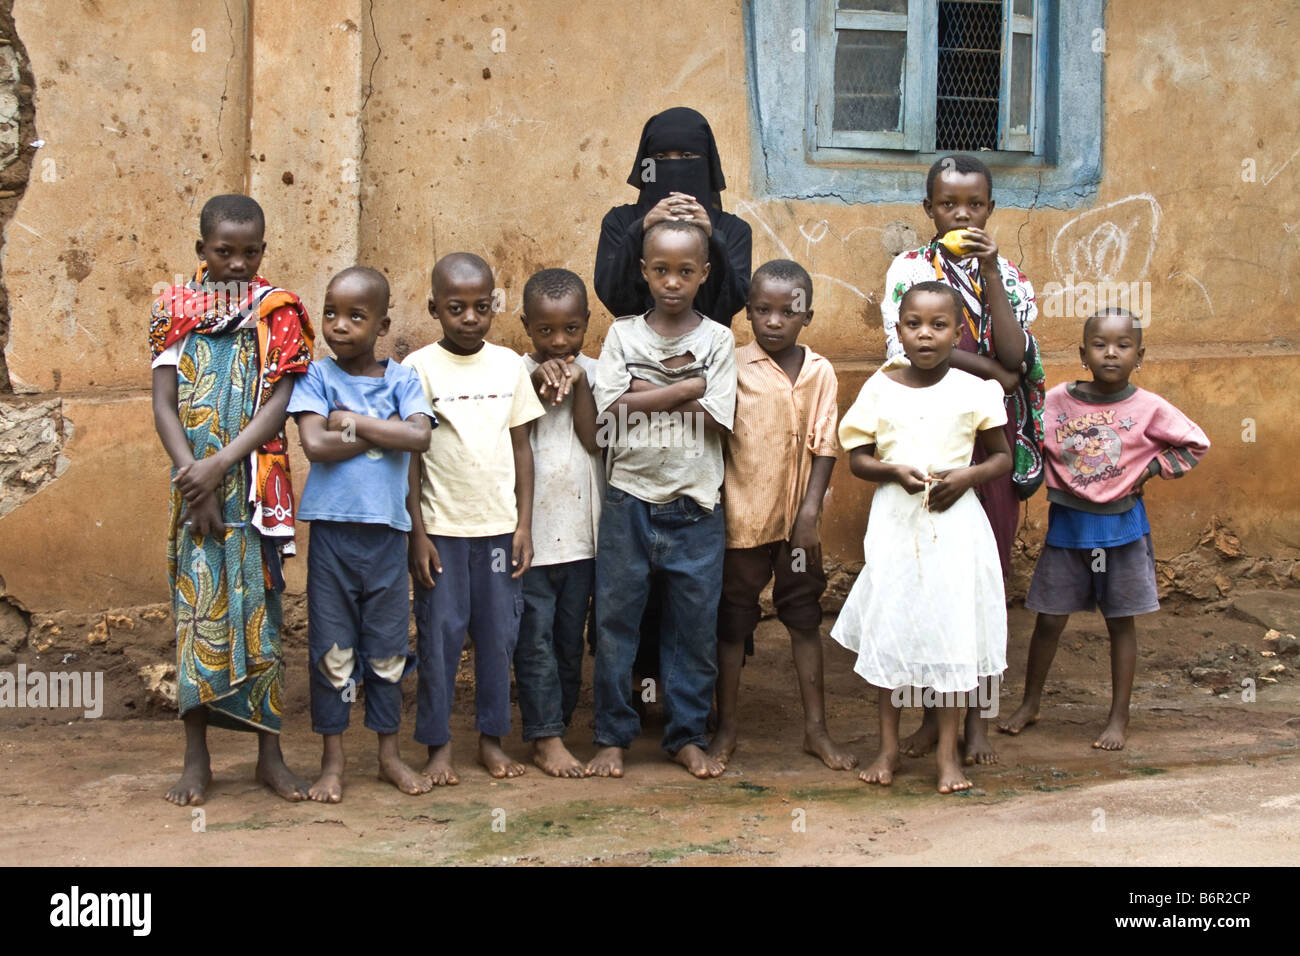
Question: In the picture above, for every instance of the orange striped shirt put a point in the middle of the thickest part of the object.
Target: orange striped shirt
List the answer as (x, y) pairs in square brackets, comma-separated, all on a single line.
[(779, 428)]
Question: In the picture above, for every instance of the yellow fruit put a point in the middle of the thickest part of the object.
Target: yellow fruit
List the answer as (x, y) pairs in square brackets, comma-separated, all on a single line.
[(954, 241)]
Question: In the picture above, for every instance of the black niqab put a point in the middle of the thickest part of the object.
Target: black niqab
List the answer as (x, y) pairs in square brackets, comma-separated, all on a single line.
[(678, 129)]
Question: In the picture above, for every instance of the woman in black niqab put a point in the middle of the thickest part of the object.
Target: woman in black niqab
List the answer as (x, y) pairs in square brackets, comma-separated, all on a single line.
[(679, 174)]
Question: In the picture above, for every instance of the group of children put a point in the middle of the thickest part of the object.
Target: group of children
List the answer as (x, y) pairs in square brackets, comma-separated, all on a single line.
[(526, 495)]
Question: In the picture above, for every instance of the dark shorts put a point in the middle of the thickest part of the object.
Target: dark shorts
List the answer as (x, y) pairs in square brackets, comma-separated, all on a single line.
[(796, 591), (1119, 581)]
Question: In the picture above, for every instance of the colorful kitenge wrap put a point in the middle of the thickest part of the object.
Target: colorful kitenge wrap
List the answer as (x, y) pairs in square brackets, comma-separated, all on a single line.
[(1025, 404), (228, 615)]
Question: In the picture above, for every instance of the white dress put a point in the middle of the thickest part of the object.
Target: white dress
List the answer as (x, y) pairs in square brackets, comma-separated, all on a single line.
[(928, 608)]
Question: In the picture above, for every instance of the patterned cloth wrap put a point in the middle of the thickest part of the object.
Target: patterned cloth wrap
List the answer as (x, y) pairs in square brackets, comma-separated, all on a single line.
[(284, 342), (1026, 402)]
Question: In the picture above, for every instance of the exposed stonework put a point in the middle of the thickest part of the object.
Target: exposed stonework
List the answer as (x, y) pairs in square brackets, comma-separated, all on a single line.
[(32, 436), (17, 131)]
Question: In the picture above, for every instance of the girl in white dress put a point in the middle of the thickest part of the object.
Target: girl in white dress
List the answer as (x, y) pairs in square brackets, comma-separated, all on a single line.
[(927, 611)]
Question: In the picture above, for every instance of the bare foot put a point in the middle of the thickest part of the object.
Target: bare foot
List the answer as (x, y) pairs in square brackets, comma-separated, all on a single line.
[(921, 742), (818, 743), (191, 789), (1113, 737), (723, 744), (1026, 715), (496, 760), (976, 747), (439, 768), (550, 754), (608, 762), (699, 763), (274, 773), (401, 775), (328, 788), (881, 770), (951, 779)]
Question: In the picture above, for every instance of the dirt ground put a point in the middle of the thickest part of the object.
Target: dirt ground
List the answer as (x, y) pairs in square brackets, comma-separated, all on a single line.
[(1207, 778)]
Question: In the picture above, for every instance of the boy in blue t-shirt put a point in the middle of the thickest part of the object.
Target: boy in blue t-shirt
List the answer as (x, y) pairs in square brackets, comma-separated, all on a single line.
[(358, 418)]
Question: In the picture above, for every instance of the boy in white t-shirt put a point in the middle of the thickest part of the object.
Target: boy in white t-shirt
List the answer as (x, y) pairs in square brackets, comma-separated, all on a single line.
[(568, 483), (471, 507)]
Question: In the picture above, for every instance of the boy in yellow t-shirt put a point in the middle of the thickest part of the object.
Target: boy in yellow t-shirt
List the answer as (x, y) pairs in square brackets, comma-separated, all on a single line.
[(471, 507)]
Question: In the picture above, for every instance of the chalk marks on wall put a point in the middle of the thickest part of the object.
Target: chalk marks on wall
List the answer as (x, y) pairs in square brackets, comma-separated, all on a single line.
[(1113, 242)]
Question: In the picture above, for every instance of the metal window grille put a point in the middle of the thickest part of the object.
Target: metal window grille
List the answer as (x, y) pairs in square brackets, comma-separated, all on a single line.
[(969, 74)]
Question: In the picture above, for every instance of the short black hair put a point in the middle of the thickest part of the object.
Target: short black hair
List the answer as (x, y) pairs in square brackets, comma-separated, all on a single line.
[(460, 263), (956, 163), (372, 277), (1114, 310), (785, 270), (933, 285), (230, 207), (553, 284), (677, 225)]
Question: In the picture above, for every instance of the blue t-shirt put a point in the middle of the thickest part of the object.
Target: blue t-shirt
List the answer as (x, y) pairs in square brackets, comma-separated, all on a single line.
[(1071, 528), (369, 488)]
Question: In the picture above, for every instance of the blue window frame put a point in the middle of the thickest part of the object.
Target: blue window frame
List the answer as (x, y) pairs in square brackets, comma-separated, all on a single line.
[(854, 99)]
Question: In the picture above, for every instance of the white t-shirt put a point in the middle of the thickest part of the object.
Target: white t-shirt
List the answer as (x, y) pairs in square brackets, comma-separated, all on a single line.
[(568, 482), (467, 487)]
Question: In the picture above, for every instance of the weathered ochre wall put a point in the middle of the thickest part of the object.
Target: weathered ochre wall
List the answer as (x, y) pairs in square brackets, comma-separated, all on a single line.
[(394, 132)]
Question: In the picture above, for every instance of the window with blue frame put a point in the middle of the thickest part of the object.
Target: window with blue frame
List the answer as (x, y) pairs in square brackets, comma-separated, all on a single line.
[(929, 75), (853, 99)]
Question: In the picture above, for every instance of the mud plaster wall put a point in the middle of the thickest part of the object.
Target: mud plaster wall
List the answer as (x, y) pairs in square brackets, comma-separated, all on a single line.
[(391, 133)]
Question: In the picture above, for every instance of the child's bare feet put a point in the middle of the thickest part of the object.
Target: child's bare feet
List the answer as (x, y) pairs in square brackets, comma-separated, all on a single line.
[(401, 775), (817, 742), (976, 747), (608, 762), (1026, 715), (922, 742), (1114, 736), (951, 778), (439, 768), (191, 789), (550, 754), (699, 763), (723, 744), (328, 787), (497, 761), (882, 769), (274, 773)]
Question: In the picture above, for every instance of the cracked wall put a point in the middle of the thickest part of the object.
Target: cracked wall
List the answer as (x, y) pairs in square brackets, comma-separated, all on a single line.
[(390, 133)]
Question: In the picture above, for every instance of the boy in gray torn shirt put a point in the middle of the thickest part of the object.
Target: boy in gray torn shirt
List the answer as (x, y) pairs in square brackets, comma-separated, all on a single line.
[(666, 388)]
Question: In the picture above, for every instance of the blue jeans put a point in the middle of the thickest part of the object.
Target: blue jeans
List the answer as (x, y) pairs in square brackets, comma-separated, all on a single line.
[(474, 594), (685, 544), (548, 658)]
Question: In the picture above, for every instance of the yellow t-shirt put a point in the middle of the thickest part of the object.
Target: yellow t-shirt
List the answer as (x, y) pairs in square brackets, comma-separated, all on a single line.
[(467, 477)]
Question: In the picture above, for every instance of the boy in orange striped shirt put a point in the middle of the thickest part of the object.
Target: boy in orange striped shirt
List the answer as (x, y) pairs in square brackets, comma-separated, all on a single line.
[(778, 460)]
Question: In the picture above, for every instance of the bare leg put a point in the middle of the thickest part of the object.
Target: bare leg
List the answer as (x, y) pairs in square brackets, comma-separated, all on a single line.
[(951, 778), (1042, 648), (273, 772), (497, 761), (922, 742), (977, 748), (806, 646), (191, 789), (1123, 661), (439, 768), (731, 657), (550, 754), (397, 771), (882, 769), (328, 787)]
